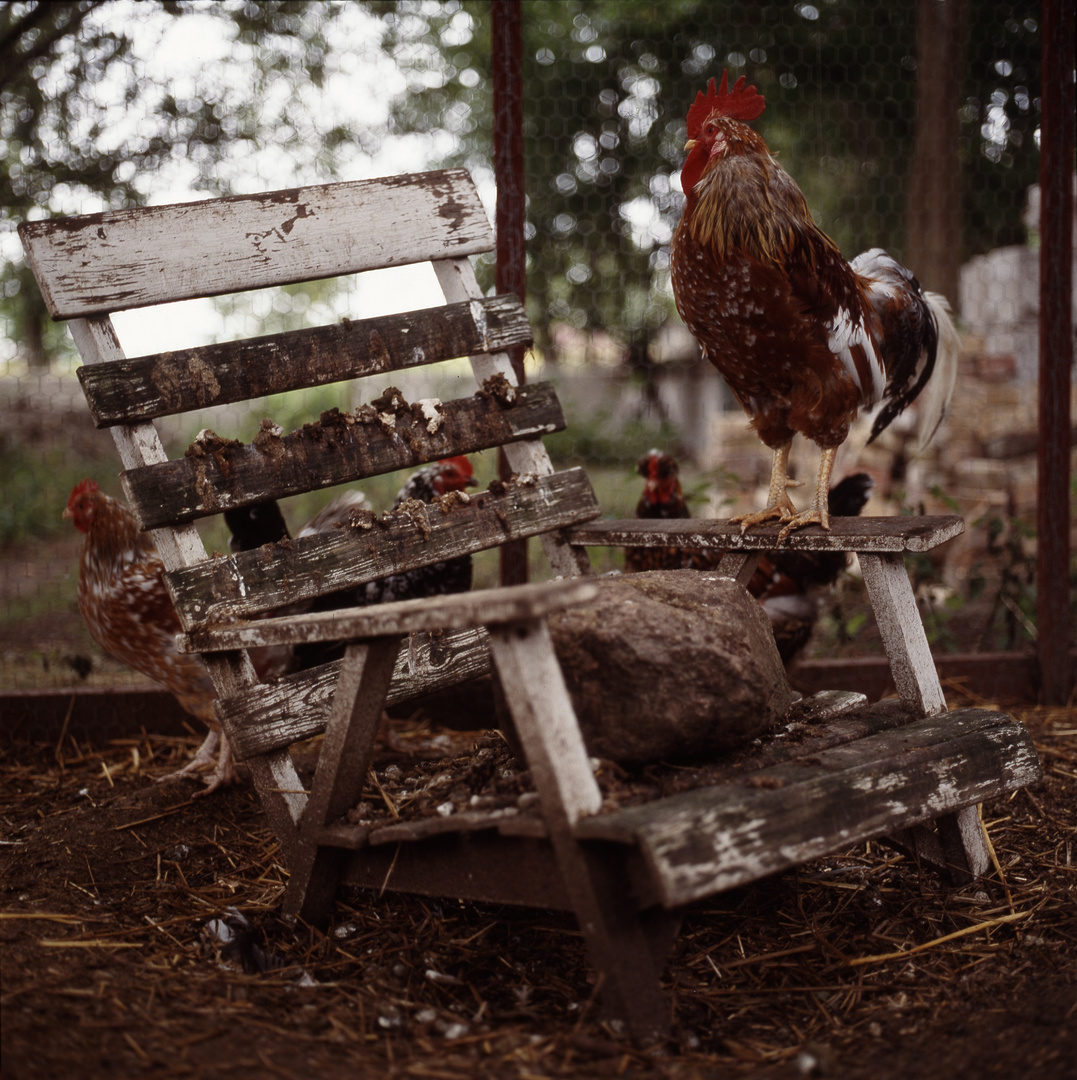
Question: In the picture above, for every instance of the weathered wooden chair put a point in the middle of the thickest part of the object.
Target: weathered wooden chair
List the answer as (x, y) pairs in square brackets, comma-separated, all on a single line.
[(625, 873)]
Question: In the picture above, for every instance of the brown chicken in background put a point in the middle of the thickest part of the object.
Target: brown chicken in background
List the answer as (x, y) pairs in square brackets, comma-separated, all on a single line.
[(789, 584), (663, 498), (123, 598), (802, 337)]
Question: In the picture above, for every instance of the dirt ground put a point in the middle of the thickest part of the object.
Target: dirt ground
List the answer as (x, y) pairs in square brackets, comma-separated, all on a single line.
[(114, 890)]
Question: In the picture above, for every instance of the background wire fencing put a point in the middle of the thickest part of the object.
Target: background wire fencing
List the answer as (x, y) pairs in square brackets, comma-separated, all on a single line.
[(909, 124)]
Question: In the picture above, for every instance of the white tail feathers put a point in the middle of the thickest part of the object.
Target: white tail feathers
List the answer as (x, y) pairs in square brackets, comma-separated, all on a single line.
[(934, 400)]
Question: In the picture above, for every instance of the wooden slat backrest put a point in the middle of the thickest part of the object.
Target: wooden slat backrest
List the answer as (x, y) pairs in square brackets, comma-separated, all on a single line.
[(122, 259), (218, 475), (175, 382), (89, 267), (248, 583)]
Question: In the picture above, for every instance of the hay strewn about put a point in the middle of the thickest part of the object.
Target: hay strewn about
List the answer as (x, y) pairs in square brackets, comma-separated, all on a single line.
[(120, 956)]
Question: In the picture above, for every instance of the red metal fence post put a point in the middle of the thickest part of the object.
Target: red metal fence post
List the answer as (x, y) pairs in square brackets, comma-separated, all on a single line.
[(511, 275), (1056, 350)]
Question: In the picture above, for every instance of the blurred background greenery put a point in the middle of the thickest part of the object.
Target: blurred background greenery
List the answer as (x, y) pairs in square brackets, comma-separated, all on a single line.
[(113, 103)]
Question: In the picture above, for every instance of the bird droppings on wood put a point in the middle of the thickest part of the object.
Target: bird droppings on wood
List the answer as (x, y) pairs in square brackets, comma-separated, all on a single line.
[(268, 441), (429, 410), (499, 388), (109, 889), (415, 512), (207, 443), (221, 474), (450, 500)]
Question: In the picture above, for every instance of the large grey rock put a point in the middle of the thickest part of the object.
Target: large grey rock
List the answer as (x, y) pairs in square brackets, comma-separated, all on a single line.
[(670, 665)]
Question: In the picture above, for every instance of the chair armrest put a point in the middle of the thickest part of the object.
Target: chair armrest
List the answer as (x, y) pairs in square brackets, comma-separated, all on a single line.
[(486, 607)]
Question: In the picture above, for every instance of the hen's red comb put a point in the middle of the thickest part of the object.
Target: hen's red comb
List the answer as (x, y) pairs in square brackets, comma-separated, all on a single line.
[(460, 463), (740, 103), (87, 487)]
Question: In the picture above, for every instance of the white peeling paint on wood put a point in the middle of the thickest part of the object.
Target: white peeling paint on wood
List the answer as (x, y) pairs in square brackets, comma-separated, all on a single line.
[(484, 607), (878, 534), (545, 721), (126, 259), (137, 444), (274, 715), (902, 631), (709, 840)]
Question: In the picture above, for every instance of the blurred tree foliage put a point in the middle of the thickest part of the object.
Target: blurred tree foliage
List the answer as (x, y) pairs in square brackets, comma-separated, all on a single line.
[(606, 83), (69, 76)]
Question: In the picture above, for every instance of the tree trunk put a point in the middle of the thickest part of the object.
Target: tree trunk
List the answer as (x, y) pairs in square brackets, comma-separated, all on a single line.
[(933, 248)]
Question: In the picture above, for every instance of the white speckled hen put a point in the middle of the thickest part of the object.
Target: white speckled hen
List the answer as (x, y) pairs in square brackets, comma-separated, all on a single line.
[(123, 598)]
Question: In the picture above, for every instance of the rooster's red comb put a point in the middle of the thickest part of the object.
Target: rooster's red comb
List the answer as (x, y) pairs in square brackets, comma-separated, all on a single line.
[(740, 103)]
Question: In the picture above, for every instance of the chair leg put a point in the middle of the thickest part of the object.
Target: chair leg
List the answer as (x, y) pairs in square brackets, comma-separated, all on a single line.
[(739, 565), (363, 683), (958, 849), (964, 848), (622, 944), (902, 632), (964, 845)]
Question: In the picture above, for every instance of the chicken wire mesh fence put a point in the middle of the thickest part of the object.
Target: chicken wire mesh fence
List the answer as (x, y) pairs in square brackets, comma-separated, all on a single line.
[(910, 125)]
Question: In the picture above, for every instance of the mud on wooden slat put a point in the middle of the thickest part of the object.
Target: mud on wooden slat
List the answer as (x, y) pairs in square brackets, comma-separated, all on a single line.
[(174, 382), (713, 839), (275, 715), (247, 584), (388, 434), (846, 534), (124, 259)]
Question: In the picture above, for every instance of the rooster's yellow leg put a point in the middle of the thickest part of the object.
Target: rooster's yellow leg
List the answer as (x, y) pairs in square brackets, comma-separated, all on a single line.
[(779, 504), (819, 510)]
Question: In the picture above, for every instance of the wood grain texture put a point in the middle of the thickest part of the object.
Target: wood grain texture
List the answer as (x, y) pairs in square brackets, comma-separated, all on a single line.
[(706, 841), (219, 474), (485, 607), (270, 717), (537, 697), (221, 590), (173, 382), (343, 762), (846, 534), (902, 631), (138, 445), (964, 845), (528, 456), (124, 259)]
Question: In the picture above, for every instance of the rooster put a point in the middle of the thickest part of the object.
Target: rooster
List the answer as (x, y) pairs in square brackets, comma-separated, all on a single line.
[(786, 583), (127, 608), (803, 338)]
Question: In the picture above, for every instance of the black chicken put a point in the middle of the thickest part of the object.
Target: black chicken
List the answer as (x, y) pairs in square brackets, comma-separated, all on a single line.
[(263, 523)]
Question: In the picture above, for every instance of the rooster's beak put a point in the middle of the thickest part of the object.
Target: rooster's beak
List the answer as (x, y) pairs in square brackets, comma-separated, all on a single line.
[(67, 513), (691, 144)]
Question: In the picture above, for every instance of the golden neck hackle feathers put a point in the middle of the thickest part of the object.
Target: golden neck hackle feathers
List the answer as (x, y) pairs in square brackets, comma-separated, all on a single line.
[(744, 202)]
